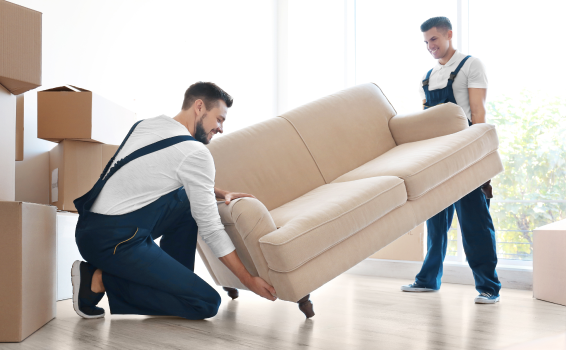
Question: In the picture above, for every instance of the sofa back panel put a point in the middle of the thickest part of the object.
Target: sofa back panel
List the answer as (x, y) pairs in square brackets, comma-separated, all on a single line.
[(268, 160), (346, 129)]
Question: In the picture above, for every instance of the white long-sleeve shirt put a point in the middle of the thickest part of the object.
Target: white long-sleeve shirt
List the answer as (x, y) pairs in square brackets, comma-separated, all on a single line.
[(146, 179)]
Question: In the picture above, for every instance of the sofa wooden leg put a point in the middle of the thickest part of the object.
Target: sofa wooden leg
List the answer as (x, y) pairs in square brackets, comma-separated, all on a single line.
[(305, 305), (232, 292)]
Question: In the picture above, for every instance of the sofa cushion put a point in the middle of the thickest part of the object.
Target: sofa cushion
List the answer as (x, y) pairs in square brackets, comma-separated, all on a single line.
[(346, 129), (268, 160), (326, 216), (426, 164)]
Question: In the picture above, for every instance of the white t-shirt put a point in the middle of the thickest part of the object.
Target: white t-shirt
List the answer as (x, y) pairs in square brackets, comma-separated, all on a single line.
[(146, 179), (471, 75)]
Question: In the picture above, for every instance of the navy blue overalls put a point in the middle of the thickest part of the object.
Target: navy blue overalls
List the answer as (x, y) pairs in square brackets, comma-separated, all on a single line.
[(141, 277), (478, 234)]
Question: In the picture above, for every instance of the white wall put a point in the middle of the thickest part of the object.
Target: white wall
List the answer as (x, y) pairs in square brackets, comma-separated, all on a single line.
[(315, 50), (144, 55)]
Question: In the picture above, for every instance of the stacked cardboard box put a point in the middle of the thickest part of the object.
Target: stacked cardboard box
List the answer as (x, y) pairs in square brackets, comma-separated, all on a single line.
[(549, 262), (20, 39), (20, 71), (27, 231), (74, 167), (27, 268), (87, 127)]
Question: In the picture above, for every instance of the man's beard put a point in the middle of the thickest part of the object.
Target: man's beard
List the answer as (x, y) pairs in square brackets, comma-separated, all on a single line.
[(200, 134)]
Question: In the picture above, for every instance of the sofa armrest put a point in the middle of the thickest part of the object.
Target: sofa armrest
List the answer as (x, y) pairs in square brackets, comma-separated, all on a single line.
[(436, 121), (252, 221)]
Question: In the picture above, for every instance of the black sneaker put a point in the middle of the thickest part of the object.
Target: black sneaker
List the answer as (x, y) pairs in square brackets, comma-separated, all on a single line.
[(84, 299)]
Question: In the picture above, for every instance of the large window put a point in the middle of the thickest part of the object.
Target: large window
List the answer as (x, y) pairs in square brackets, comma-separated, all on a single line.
[(520, 46)]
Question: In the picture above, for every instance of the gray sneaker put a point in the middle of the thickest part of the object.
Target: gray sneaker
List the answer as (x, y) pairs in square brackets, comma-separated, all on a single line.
[(486, 298), (415, 287)]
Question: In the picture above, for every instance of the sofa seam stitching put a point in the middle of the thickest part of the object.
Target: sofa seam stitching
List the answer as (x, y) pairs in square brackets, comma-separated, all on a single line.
[(336, 218), (390, 104), (250, 231), (307, 147)]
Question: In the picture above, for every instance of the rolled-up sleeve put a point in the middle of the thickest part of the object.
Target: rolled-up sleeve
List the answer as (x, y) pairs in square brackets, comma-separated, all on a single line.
[(196, 172)]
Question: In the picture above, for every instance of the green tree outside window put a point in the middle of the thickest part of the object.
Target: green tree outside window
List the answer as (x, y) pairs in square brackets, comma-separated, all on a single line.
[(531, 191)]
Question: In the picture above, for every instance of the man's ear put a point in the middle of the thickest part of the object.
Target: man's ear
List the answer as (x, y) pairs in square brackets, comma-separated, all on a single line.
[(449, 35), (199, 106)]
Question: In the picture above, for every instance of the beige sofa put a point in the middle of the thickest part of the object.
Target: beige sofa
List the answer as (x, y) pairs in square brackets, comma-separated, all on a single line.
[(338, 179)]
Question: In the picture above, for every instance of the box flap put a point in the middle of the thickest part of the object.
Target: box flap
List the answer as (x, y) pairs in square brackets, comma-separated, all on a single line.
[(78, 88), (70, 88)]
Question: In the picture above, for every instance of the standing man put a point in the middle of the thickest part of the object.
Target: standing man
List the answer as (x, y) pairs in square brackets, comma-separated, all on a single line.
[(160, 185), (459, 79)]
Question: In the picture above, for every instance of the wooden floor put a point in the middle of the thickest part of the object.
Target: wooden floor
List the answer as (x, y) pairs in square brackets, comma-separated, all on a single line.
[(352, 312)]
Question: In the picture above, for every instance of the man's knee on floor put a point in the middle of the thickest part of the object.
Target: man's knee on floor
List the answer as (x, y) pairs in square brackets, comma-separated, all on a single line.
[(214, 303), (208, 306)]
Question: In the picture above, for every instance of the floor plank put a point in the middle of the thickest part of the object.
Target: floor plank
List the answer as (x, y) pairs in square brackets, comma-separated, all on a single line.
[(352, 312)]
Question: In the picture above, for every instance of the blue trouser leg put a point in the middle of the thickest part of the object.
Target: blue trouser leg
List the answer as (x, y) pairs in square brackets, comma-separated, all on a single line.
[(141, 277), (178, 232), (437, 242), (478, 238)]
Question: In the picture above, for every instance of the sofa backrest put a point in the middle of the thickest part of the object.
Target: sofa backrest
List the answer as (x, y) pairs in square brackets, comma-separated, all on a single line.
[(345, 130), (268, 160)]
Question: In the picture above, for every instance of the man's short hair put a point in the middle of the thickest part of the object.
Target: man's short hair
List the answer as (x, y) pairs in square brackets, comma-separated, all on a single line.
[(442, 23), (210, 93)]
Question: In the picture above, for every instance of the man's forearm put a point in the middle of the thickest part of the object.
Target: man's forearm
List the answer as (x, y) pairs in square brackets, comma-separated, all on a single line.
[(478, 116), (234, 264)]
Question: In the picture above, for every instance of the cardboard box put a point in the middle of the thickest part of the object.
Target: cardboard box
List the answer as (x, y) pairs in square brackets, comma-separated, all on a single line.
[(7, 145), (549, 263), (410, 246), (74, 167), (67, 252), (27, 268), (20, 48), (69, 112), (20, 128)]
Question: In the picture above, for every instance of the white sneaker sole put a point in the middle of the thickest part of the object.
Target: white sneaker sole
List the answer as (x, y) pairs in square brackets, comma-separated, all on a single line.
[(486, 301), (418, 290), (76, 280)]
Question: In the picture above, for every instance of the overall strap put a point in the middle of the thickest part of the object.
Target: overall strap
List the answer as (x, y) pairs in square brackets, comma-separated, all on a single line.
[(455, 73), (425, 82), (154, 147), (119, 148)]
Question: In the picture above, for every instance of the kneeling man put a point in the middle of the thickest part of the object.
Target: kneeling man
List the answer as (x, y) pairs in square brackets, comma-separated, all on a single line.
[(160, 183)]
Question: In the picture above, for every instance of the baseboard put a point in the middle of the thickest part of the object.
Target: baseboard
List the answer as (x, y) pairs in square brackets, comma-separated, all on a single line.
[(515, 277)]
